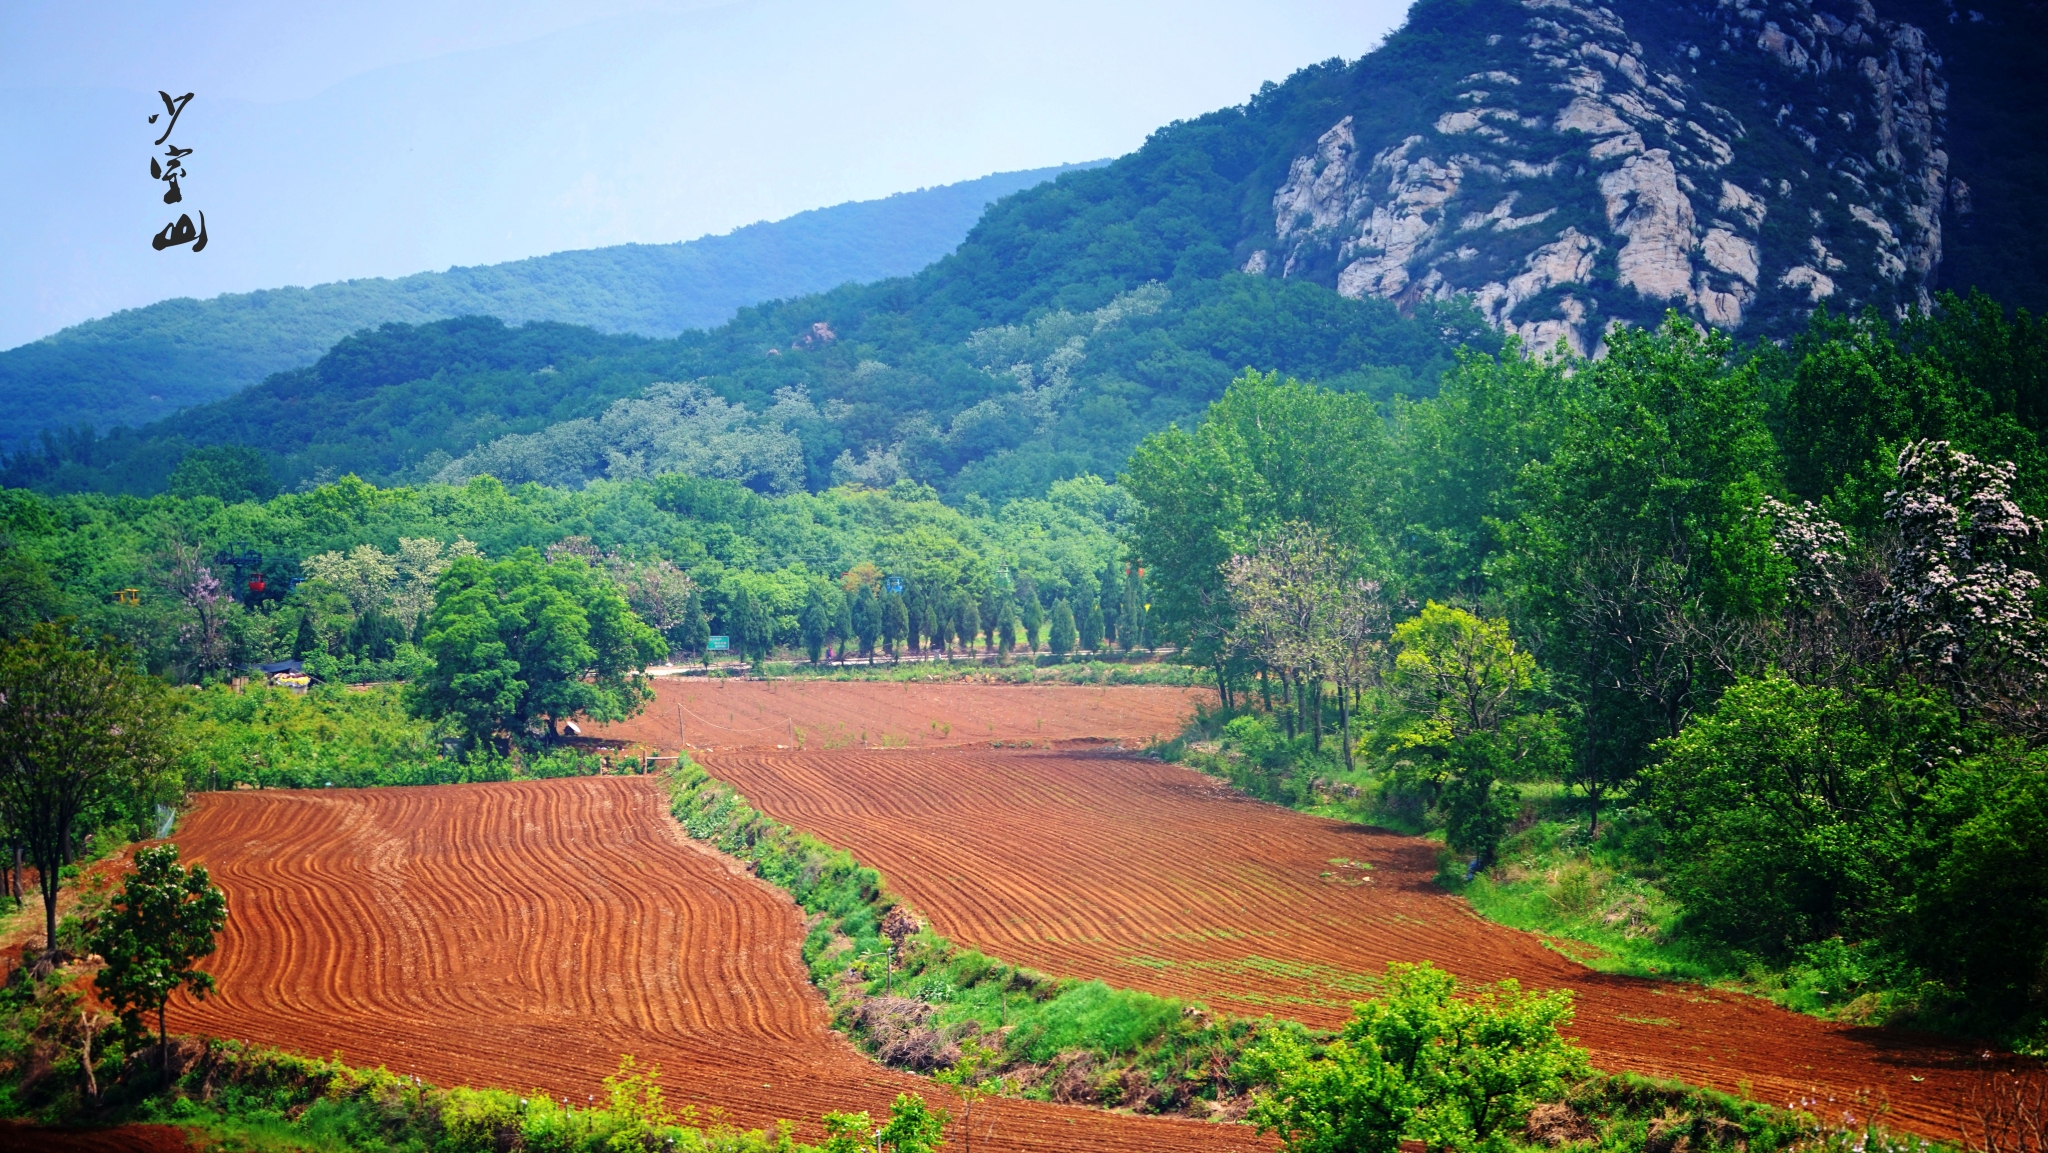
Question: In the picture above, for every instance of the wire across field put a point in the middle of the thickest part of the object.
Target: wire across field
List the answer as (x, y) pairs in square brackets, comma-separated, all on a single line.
[(525, 935), (1153, 877), (720, 712)]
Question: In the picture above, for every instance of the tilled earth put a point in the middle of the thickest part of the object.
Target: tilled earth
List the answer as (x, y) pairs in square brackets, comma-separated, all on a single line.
[(818, 715), (525, 935), (1154, 877)]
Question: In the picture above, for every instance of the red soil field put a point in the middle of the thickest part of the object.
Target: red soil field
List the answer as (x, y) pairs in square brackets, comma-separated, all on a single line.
[(1154, 877), (18, 1138), (721, 712), (525, 935)]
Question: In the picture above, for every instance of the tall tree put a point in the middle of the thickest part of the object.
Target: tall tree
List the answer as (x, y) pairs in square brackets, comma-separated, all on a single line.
[(160, 926), (970, 624), (1060, 639), (1268, 452), (814, 622), (1111, 600), (1090, 627), (1003, 629), (1030, 612), (842, 622), (694, 633), (895, 622), (521, 644), (1468, 692), (867, 619), (83, 734)]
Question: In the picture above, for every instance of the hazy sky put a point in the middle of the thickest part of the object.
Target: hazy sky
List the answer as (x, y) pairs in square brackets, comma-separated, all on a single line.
[(394, 137)]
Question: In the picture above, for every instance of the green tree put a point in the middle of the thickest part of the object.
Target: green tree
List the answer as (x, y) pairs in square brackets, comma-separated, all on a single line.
[(970, 625), (1636, 556), (520, 644), (1420, 1062), (1003, 629), (895, 622), (159, 927), (971, 1079), (751, 621), (231, 473), (637, 1107), (1346, 1099), (1091, 625), (1789, 809), (1465, 688), (84, 738), (1031, 613), (842, 622), (1268, 452), (913, 1126), (1062, 638), (815, 622), (1110, 600), (867, 619), (694, 632), (306, 640), (848, 1133), (27, 594)]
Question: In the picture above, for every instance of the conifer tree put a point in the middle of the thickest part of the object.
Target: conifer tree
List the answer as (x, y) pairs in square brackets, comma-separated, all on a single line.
[(814, 622), (1091, 627), (696, 629), (1005, 627), (1061, 639), (895, 622), (970, 625), (1131, 618), (1031, 614), (842, 623), (867, 620), (1112, 602)]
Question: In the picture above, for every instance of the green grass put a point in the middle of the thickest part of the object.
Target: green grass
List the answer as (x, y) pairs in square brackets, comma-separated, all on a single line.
[(234, 1096), (917, 1005)]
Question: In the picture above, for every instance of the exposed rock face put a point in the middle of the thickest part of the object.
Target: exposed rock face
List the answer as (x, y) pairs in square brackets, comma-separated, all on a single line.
[(1740, 162)]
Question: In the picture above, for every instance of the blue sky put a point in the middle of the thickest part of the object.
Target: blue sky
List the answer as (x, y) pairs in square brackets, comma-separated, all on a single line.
[(385, 138)]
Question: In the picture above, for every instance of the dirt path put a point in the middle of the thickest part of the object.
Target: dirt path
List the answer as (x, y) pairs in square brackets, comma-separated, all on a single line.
[(723, 713), (525, 935), (1153, 877)]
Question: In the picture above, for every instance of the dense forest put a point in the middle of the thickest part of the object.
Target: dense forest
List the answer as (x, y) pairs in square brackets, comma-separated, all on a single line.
[(780, 400), (1750, 639)]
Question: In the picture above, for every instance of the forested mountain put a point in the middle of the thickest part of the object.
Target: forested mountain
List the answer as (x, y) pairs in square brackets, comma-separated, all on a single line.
[(1533, 167), (143, 364)]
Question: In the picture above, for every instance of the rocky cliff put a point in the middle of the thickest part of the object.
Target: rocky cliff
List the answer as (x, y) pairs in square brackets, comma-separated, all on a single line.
[(1589, 166)]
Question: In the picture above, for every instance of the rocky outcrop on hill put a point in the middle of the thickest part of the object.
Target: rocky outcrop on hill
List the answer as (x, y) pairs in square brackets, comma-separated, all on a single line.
[(1740, 163)]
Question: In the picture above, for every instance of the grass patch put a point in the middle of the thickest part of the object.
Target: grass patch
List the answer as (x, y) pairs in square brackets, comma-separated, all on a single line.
[(245, 1097), (913, 1000)]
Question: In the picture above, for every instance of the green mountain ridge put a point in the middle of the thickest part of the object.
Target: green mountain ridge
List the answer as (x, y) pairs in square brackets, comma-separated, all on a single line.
[(142, 364), (1532, 168)]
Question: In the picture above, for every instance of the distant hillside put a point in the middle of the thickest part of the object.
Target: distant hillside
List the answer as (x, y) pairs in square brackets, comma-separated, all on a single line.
[(142, 364), (1541, 168)]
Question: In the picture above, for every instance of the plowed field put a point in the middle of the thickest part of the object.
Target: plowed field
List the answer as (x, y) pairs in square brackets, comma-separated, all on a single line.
[(1154, 877), (718, 712), (525, 935)]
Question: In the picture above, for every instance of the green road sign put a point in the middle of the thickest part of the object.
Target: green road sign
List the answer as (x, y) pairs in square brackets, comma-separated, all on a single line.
[(719, 645)]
